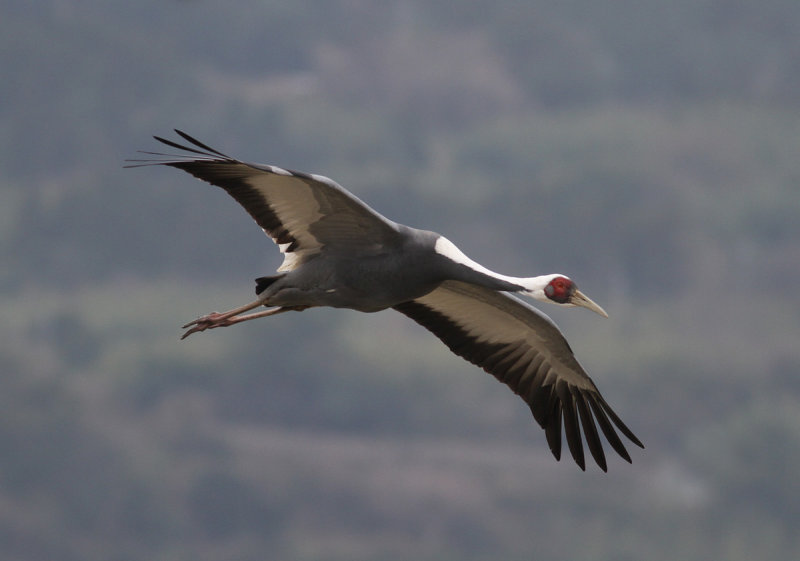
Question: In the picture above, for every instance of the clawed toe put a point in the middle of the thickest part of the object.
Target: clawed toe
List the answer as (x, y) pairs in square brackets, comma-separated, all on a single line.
[(216, 319), (201, 319), (195, 329), (209, 321)]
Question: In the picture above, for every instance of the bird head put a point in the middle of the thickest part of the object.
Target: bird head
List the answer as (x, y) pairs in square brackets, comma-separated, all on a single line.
[(560, 290)]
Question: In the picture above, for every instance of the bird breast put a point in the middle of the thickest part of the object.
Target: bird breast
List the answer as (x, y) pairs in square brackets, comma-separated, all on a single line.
[(366, 283)]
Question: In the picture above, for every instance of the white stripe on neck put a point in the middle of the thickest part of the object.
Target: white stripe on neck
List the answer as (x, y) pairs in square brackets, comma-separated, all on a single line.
[(533, 286), (448, 249)]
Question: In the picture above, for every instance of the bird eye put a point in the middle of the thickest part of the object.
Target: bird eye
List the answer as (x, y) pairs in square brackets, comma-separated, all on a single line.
[(559, 289)]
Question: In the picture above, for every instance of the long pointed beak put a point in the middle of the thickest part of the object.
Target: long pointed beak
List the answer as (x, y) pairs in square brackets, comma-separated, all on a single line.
[(580, 299)]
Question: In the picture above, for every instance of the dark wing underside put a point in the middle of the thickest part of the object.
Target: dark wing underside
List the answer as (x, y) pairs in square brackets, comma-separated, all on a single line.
[(302, 213), (524, 349)]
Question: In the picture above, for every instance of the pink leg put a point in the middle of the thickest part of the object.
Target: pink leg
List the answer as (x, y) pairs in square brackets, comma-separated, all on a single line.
[(215, 319)]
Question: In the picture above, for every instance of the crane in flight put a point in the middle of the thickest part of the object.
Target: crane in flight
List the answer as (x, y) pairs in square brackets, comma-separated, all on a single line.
[(339, 252)]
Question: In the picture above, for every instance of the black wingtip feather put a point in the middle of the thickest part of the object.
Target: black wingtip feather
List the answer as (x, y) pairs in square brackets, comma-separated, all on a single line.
[(200, 144), (608, 430), (571, 425), (622, 426), (177, 146), (552, 428), (590, 433)]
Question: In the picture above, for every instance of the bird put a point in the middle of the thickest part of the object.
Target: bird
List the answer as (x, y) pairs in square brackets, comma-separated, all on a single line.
[(339, 252)]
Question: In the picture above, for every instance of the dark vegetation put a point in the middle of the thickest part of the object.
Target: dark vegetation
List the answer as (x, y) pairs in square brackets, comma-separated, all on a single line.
[(647, 149)]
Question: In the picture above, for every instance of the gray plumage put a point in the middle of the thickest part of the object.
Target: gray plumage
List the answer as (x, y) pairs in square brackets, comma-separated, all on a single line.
[(339, 252)]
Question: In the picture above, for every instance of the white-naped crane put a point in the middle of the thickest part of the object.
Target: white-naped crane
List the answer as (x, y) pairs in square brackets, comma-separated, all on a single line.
[(339, 252)]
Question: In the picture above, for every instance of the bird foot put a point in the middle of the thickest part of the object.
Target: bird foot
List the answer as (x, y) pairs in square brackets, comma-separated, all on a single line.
[(209, 321)]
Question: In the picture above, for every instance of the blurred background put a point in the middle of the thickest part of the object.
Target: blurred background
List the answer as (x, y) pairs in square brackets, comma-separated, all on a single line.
[(647, 149)]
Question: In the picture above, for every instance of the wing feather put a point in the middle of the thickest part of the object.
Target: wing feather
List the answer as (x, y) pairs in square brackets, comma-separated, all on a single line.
[(303, 213), (524, 349)]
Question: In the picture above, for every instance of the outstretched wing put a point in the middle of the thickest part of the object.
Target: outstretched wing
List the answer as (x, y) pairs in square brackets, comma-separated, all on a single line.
[(305, 214), (524, 349)]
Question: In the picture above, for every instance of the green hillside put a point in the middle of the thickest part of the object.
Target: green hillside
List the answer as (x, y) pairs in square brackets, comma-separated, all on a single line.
[(649, 150)]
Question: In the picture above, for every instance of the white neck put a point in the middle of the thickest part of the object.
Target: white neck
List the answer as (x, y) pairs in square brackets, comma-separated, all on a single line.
[(531, 286)]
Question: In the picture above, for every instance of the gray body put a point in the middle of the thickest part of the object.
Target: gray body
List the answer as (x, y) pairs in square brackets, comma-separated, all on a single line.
[(377, 281)]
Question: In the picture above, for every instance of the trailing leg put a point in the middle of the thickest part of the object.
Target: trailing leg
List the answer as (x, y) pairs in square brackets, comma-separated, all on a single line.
[(216, 319)]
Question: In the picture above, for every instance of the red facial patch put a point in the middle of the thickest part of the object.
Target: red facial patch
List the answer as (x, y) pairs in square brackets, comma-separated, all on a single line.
[(559, 290)]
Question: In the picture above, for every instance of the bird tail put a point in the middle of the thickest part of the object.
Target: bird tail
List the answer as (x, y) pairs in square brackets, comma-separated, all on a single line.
[(262, 283)]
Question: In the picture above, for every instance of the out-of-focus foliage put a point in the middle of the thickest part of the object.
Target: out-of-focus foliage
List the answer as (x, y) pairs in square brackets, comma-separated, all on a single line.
[(647, 149)]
